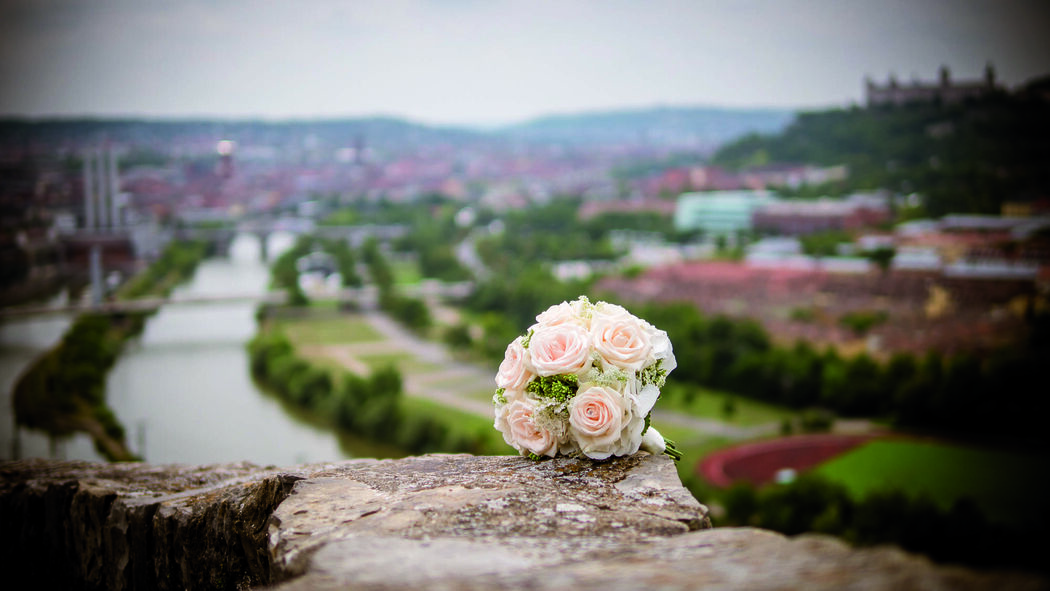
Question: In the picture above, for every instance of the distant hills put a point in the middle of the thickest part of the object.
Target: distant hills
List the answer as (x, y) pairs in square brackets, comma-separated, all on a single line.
[(677, 127), (383, 132)]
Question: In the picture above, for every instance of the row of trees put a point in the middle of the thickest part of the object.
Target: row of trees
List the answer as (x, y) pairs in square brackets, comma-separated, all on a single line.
[(411, 312), (285, 273), (992, 395), (960, 534), (176, 264), (64, 391), (549, 232), (369, 406), (432, 236)]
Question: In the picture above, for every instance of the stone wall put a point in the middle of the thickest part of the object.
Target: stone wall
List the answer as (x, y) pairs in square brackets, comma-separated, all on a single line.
[(429, 522)]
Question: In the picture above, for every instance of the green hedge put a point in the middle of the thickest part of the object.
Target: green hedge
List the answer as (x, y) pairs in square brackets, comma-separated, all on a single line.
[(176, 264), (372, 406), (411, 312)]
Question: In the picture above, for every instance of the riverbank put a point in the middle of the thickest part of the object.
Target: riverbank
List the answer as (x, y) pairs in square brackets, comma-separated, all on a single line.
[(310, 361), (63, 391)]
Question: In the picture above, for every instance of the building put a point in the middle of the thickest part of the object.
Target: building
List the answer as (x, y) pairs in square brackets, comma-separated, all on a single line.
[(719, 213), (592, 209), (806, 217), (944, 90), (791, 175)]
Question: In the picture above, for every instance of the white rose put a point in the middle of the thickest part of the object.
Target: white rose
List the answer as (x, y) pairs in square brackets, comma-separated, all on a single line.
[(513, 371), (559, 349), (630, 435), (563, 313), (607, 311), (645, 399), (622, 342), (596, 417), (501, 409), (653, 442), (662, 350), (520, 430)]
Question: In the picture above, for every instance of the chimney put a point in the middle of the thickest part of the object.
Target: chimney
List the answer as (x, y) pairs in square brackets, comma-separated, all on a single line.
[(114, 189), (89, 193), (103, 208)]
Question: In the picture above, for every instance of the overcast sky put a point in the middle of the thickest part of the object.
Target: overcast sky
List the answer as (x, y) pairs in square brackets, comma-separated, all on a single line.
[(487, 62)]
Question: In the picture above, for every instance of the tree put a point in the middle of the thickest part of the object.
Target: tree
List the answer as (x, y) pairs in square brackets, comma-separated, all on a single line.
[(882, 257), (823, 244)]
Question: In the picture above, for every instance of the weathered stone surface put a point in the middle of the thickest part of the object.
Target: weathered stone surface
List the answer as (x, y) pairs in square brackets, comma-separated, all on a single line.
[(418, 506), (429, 522), (123, 526)]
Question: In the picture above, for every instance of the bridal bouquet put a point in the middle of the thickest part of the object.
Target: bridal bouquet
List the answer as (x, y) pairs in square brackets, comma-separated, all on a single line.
[(582, 382)]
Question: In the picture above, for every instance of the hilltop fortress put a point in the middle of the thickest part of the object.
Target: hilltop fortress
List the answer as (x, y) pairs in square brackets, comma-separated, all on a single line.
[(944, 90)]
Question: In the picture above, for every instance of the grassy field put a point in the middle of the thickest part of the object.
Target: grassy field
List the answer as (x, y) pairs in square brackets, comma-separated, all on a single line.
[(404, 362), (323, 330), (485, 395), (461, 422), (709, 403), (1010, 488), (405, 272)]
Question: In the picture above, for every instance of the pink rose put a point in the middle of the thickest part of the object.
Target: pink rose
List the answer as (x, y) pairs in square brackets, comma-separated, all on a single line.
[(596, 417), (513, 372), (559, 349), (622, 342), (607, 311), (521, 431), (562, 313)]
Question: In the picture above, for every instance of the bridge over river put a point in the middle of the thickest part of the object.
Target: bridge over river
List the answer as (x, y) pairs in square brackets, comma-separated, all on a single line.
[(263, 228), (366, 297)]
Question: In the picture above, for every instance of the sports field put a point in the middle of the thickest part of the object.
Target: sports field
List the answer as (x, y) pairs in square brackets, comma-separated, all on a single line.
[(1011, 488)]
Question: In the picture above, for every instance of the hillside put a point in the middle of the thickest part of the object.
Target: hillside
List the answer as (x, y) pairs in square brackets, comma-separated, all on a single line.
[(968, 157)]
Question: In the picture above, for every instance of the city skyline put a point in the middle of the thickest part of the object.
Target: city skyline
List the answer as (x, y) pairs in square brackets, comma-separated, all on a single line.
[(489, 63)]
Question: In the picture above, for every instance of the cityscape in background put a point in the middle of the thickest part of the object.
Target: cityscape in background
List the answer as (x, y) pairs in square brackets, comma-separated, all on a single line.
[(133, 186), (858, 295)]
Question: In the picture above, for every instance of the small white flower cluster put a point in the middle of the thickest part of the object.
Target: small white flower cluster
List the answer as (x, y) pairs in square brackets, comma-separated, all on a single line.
[(582, 382)]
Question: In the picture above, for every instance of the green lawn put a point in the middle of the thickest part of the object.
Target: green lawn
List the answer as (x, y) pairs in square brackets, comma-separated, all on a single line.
[(405, 272), (711, 404), (326, 330), (485, 395), (1010, 488), (404, 362), (461, 422)]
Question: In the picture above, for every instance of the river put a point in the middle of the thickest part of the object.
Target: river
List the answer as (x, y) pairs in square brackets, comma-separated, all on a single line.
[(183, 390)]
